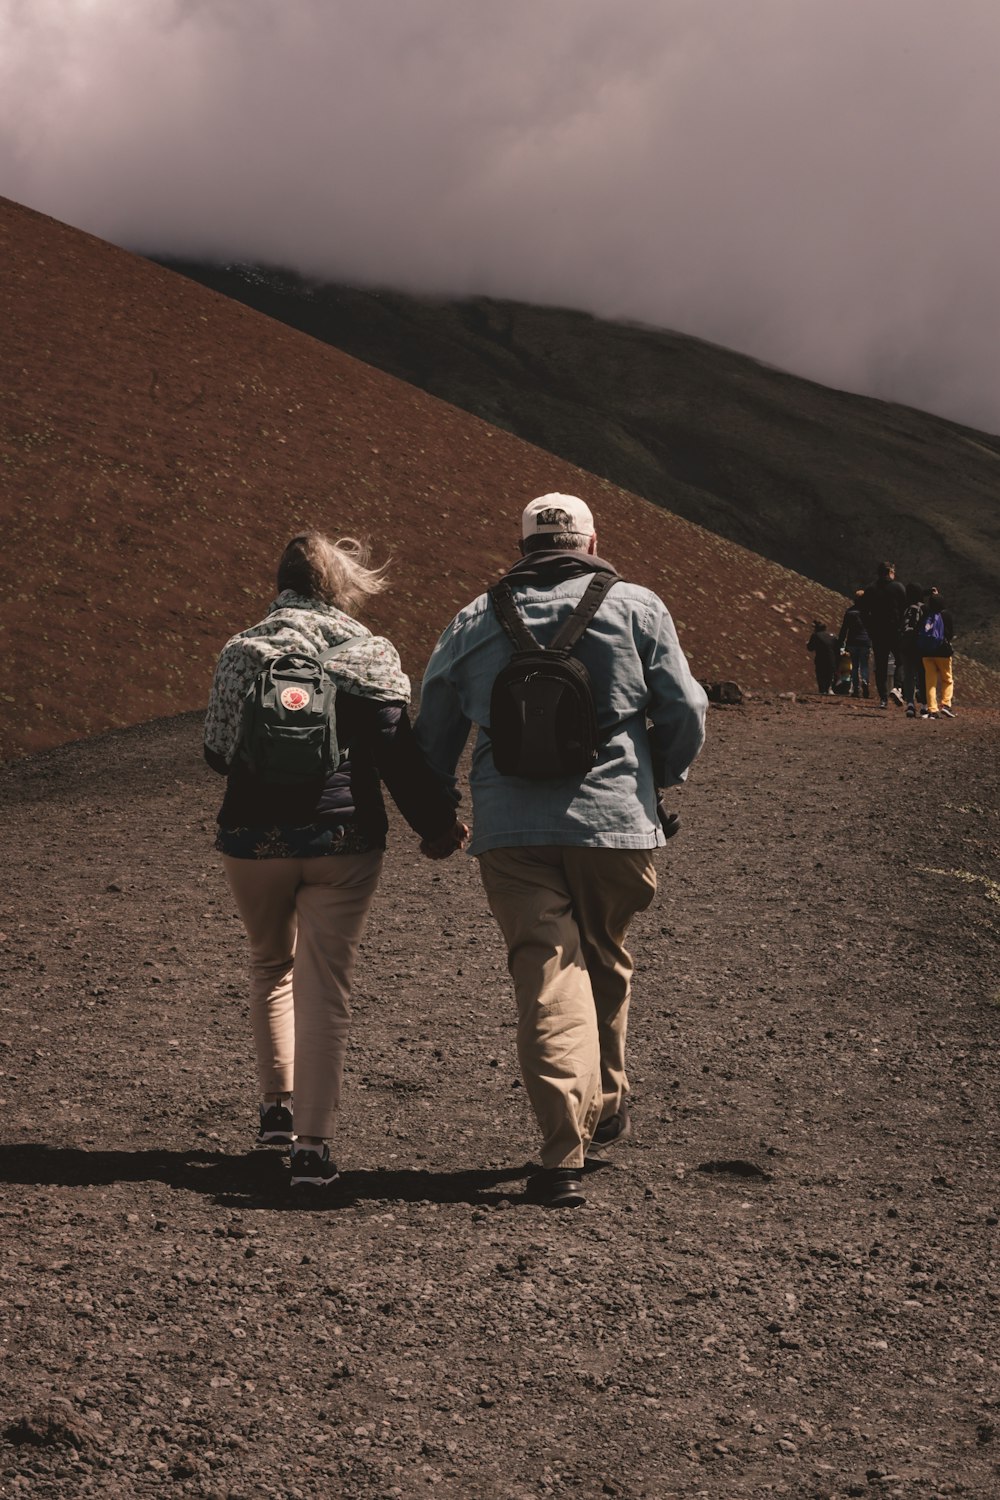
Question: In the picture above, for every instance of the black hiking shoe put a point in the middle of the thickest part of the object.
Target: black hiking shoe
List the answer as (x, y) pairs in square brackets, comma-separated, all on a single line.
[(276, 1124), (617, 1127), (312, 1167), (558, 1187)]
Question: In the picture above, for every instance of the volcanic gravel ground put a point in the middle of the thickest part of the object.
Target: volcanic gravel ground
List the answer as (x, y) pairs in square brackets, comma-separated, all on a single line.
[(785, 1284)]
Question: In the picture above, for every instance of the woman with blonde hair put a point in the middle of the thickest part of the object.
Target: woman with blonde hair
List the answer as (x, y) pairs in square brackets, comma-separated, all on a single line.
[(303, 858)]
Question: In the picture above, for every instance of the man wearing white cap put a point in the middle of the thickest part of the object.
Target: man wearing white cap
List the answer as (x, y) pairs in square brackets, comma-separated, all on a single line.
[(568, 862)]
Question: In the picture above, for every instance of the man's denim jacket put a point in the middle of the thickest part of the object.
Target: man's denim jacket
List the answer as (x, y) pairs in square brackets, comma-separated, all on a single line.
[(640, 677)]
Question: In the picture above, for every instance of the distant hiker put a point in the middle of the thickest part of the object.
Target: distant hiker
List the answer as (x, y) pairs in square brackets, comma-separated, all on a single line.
[(566, 862), (302, 840), (855, 639), (934, 637), (882, 605), (826, 653), (913, 667)]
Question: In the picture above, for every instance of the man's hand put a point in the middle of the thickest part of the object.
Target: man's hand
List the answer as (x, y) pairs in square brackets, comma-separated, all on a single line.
[(446, 843), (669, 822)]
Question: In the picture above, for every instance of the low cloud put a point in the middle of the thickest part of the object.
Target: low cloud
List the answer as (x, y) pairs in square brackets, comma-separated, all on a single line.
[(810, 182)]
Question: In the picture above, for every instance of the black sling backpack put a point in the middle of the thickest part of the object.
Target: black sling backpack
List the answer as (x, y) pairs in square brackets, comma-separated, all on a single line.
[(543, 720)]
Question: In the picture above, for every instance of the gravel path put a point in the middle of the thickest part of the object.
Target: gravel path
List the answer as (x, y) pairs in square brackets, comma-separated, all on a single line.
[(786, 1284)]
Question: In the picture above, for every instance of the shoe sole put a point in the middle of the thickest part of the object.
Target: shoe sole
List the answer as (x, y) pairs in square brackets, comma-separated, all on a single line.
[(275, 1139), (570, 1200), (315, 1182)]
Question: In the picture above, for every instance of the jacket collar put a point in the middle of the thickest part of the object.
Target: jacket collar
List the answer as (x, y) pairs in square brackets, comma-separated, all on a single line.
[(546, 569)]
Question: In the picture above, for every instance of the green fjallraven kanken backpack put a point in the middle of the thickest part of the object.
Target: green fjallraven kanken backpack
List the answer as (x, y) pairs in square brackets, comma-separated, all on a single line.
[(543, 719), (289, 734)]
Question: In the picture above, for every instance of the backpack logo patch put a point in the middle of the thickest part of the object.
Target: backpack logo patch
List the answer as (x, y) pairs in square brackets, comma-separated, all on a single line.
[(294, 698)]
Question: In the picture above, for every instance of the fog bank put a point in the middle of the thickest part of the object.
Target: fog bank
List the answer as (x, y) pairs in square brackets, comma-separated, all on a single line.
[(810, 182)]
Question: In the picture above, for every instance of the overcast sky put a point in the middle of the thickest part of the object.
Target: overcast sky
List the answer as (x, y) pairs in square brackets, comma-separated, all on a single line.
[(811, 181)]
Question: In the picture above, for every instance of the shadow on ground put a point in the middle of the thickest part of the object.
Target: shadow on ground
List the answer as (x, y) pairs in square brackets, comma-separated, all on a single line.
[(255, 1179)]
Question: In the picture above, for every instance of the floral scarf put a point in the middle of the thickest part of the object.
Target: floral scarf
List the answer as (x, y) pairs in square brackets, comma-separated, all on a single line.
[(370, 668)]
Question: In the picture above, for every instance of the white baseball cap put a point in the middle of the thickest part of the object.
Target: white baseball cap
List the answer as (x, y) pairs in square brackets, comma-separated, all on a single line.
[(551, 514)]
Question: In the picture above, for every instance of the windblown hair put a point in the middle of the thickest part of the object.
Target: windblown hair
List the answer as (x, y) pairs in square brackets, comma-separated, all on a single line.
[(556, 541), (335, 572)]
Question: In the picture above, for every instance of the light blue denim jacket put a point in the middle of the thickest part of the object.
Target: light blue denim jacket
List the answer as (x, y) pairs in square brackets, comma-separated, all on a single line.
[(639, 673)]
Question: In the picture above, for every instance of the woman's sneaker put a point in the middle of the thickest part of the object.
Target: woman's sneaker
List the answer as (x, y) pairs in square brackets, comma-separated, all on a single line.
[(312, 1167), (948, 713), (276, 1124)]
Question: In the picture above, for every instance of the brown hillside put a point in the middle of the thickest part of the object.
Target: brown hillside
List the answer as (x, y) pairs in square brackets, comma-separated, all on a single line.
[(818, 480), (159, 443)]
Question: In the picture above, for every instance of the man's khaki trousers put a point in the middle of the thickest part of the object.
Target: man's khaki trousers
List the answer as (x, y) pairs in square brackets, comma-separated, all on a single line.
[(564, 913), (304, 919)]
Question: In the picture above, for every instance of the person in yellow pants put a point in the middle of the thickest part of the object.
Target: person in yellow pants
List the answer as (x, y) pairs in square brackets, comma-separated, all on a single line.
[(934, 636)]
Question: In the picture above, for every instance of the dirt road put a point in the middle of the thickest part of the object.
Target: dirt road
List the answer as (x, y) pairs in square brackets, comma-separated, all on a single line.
[(786, 1285)]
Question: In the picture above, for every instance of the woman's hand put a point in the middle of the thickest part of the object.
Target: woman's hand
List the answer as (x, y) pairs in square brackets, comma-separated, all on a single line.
[(446, 843)]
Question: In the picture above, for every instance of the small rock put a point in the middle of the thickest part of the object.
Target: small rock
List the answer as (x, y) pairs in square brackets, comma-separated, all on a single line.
[(57, 1427), (735, 1168), (723, 692)]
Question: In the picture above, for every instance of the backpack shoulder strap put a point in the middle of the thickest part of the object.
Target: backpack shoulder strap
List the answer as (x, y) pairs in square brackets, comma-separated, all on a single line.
[(331, 651), (506, 610), (572, 628)]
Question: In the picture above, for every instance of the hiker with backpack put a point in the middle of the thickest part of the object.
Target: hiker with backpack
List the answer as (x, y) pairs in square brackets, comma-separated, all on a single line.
[(827, 653), (881, 606), (308, 711), (913, 667), (855, 640), (934, 637), (583, 705)]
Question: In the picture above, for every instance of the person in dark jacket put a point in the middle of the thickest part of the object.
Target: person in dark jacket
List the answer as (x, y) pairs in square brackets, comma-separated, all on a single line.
[(826, 653), (934, 637), (913, 668), (854, 638), (303, 861), (882, 605)]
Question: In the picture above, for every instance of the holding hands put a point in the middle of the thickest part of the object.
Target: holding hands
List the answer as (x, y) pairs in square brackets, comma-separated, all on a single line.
[(456, 837)]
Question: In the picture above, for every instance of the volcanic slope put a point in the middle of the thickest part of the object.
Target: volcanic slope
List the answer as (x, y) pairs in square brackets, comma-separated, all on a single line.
[(160, 443), (818, 480)]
